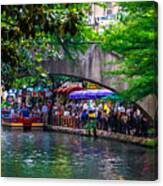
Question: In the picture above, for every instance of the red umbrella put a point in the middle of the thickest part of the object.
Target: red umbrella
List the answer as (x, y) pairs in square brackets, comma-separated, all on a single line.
[(64, 90), (67, 90), (75, 88), (58, 89)]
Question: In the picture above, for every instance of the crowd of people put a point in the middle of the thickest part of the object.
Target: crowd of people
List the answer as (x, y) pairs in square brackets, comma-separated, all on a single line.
[(108, 117), (117, 117)]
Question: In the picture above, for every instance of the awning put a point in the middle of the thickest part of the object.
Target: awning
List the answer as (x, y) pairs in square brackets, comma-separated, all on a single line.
[(67, 90)]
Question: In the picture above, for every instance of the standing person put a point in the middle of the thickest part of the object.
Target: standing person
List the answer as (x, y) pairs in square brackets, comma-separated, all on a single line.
[(84, 117), (50, 107), (111, 121), (144, 126), (106, 108), (124, 122), (91, 124), (99, 120), (85, 105), (60, 114), (66, 112), (77, 119), (104, 120), (118, 119), (114, 122), (130, 120), (137, 121), (54, 114), (44, 111), (129, 124)]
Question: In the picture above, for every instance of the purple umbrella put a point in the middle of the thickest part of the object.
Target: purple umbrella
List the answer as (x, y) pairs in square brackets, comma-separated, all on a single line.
[(90, 94), (76, 95), (98, 93)]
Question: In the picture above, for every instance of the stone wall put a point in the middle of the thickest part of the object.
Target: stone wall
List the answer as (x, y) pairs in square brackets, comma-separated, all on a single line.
[(91, 66), (147, 142), (149, 104)]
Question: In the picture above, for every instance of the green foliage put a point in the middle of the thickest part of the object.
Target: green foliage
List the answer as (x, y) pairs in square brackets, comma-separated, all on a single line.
[(152, 132), (151, 142), (34, 33), (134, 36), (32, 81), (63, 78)]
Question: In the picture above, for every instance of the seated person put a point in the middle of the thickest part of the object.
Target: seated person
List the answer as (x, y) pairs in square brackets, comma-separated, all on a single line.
[(24, 111)]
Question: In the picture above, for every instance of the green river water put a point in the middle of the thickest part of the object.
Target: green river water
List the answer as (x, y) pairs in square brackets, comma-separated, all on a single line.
[(58, 155)]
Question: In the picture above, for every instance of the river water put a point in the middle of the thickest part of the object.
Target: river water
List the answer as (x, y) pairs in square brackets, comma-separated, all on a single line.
[(58, 155)]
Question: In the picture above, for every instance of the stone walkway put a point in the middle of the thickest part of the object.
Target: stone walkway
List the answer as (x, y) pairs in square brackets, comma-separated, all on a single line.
[(148, 142)]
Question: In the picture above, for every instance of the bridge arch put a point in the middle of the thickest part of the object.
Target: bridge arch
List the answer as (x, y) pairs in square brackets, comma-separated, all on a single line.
[(91, 66), (85, 79), (105, 86)]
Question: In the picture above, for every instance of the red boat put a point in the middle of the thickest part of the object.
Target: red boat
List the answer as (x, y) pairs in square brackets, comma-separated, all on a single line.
[(22, 122)]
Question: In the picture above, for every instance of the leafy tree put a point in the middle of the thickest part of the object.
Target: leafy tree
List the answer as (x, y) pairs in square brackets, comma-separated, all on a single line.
[(134, 37), (34, 33)]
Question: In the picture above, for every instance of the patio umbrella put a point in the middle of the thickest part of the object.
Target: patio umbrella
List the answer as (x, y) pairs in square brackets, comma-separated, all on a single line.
[(97, 93), (73, 88), (113, 97), (77, 95), (90, 94)]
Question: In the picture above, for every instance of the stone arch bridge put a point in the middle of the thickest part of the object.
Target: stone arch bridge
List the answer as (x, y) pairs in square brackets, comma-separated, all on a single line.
[(91, 66)]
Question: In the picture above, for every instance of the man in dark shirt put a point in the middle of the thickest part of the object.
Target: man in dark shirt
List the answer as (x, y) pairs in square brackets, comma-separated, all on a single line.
[(24, 111)]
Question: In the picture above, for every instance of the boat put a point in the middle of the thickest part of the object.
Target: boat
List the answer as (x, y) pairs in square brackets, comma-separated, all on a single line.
[(24, 122)]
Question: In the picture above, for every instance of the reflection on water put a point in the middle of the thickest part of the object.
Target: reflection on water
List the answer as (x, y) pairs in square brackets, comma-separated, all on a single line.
[(56, 155)]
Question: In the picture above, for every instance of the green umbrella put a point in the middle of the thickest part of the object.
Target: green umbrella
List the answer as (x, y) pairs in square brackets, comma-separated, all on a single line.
[(113, 97), (38, 89)]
